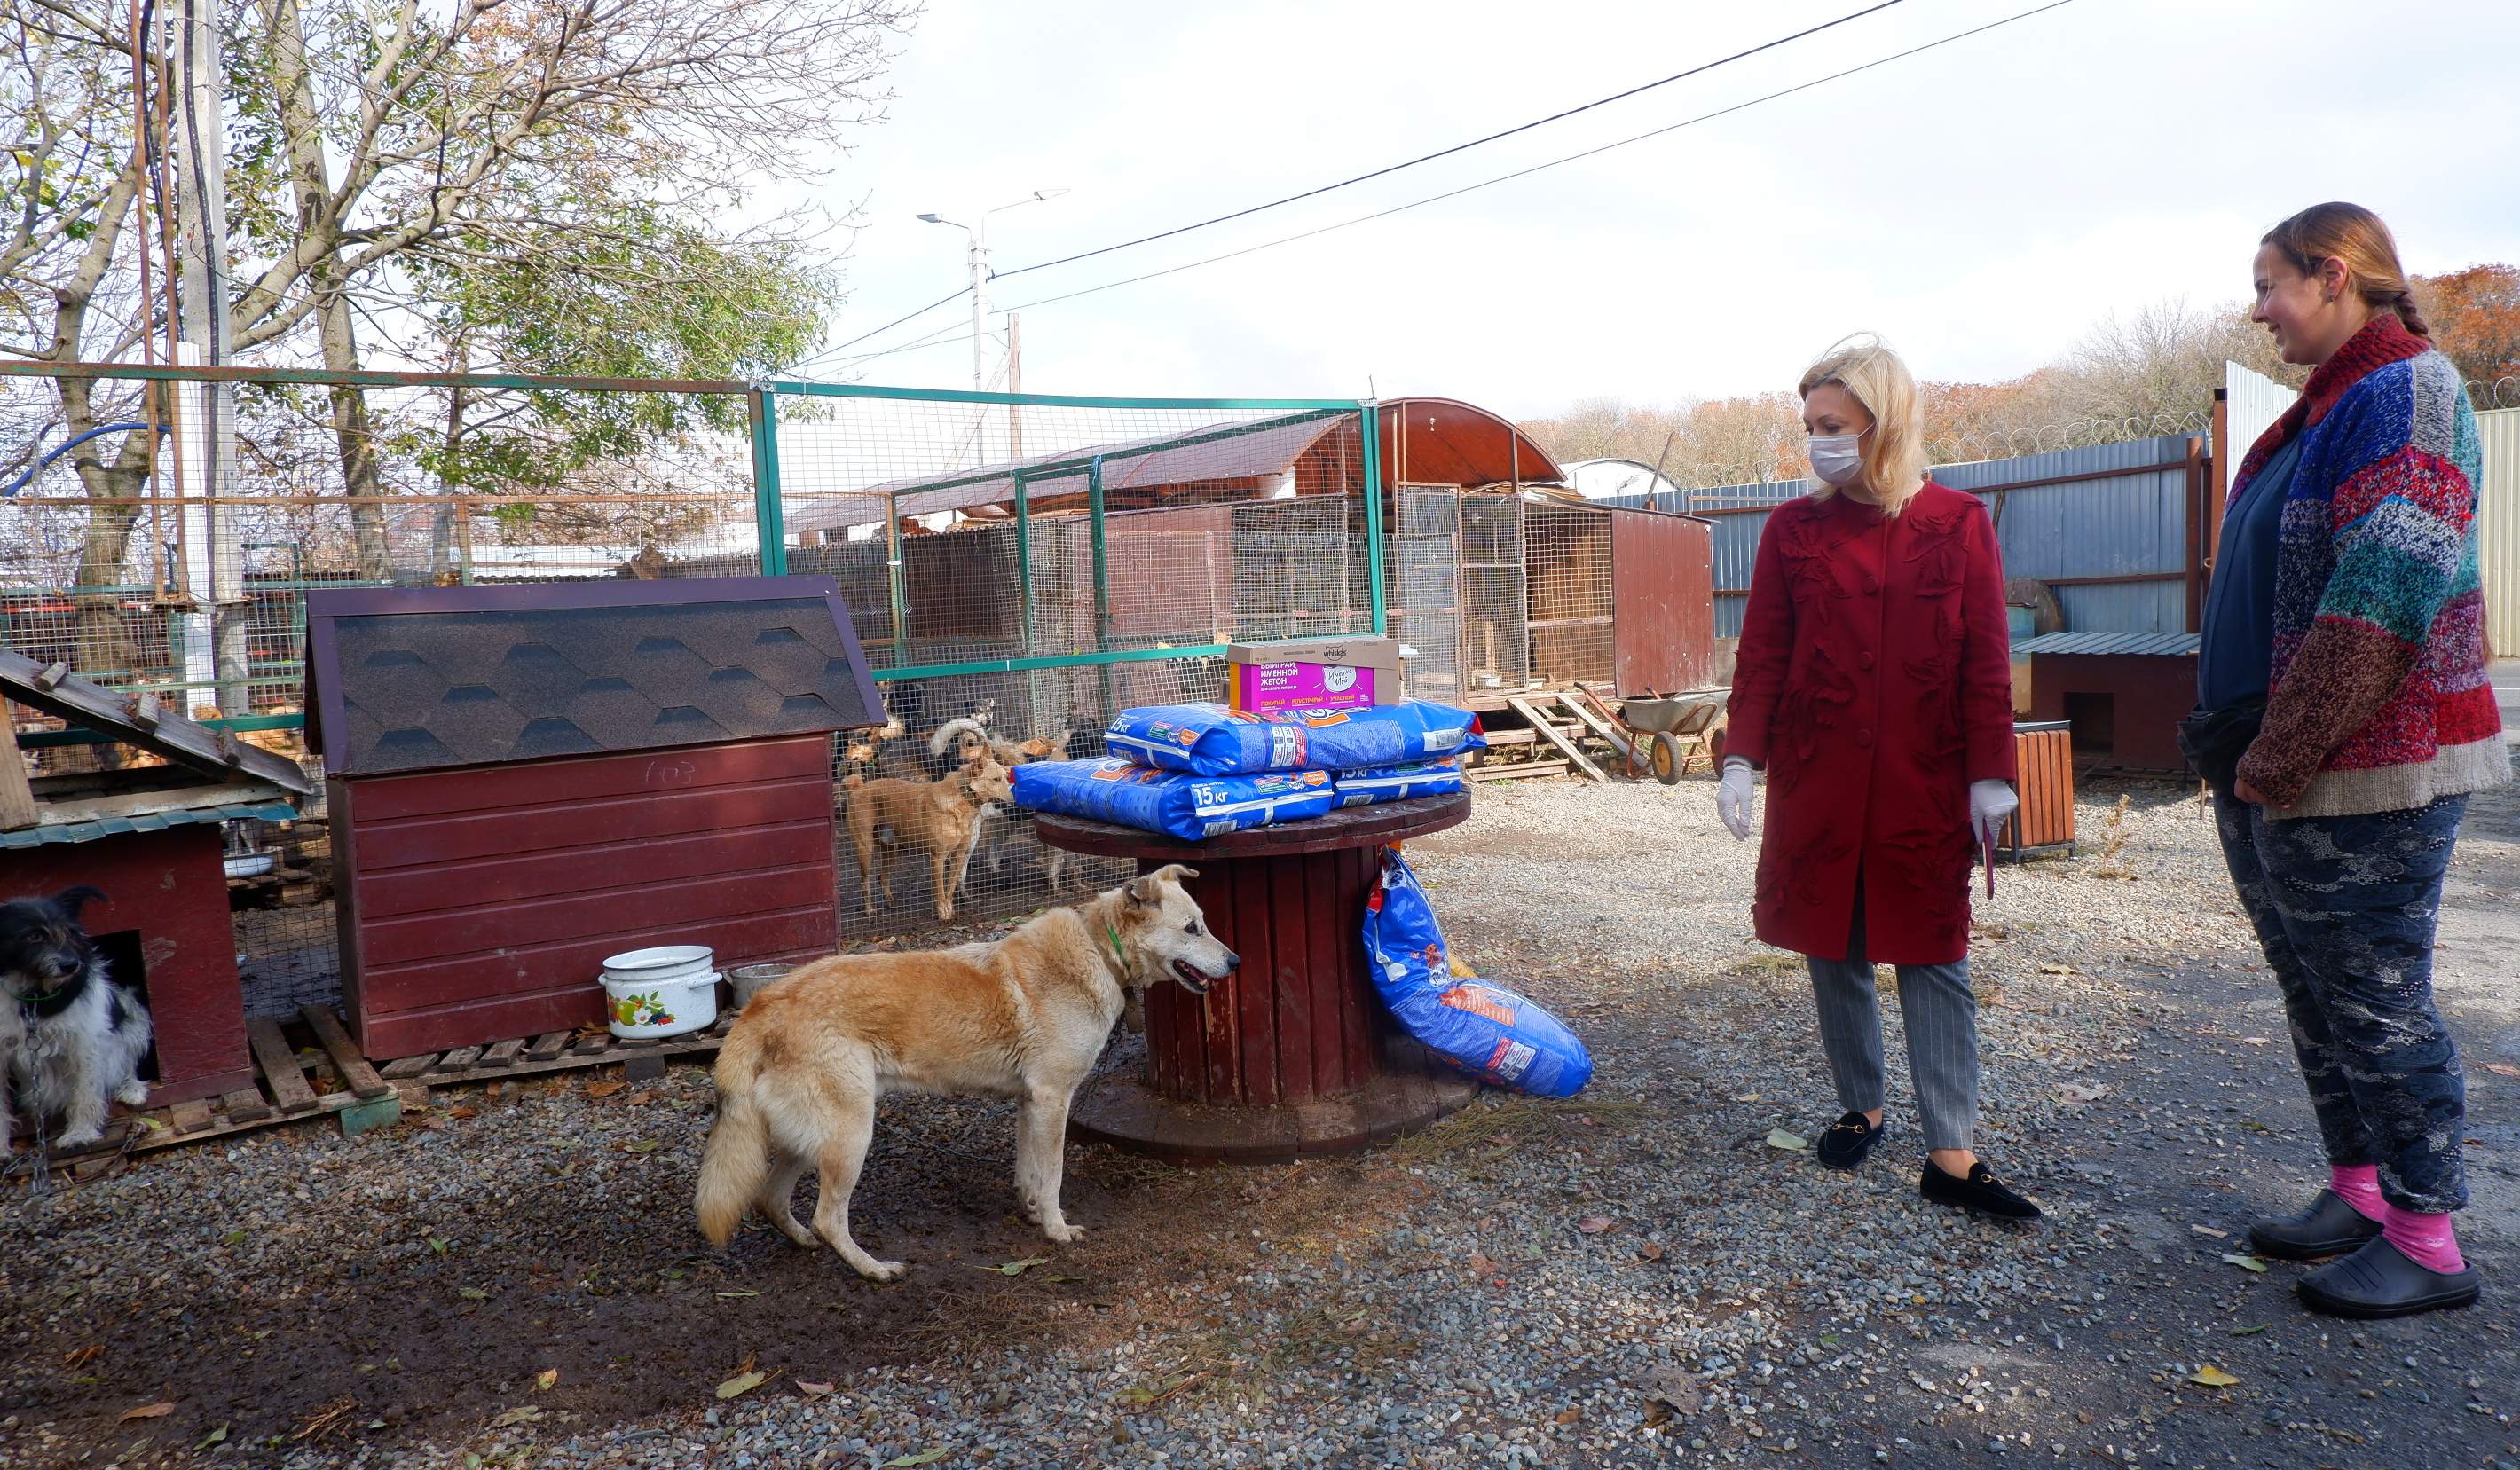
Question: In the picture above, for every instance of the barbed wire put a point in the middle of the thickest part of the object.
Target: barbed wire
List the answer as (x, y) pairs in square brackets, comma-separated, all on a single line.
[(2495, 393)]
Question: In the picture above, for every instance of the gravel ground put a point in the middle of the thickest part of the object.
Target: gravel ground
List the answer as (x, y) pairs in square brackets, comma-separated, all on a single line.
[(1632, 1276)]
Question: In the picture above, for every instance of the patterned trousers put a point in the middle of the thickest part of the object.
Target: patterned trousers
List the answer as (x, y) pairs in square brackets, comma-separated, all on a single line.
[(2345, 909)]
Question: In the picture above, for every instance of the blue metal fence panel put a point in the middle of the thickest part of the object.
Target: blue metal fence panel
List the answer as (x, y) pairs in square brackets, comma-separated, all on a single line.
[(2127, 525)]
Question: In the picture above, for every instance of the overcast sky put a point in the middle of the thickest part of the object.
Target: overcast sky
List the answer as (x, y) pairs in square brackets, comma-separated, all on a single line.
[(1981, 205)]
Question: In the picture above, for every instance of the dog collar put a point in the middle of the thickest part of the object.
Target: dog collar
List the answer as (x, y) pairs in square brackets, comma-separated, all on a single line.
[(1113, 931), (44, 1004)]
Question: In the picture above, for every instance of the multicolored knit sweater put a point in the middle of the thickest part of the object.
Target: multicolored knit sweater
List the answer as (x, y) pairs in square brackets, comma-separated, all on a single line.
[(2380, 699)]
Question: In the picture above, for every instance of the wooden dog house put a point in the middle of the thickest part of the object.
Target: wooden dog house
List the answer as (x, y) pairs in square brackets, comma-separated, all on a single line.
[(151, 838), (525, 779)]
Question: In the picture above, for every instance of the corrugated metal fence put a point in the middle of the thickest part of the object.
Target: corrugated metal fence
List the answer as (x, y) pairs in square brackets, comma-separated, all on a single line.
[(2105, 526), (2499, 527)]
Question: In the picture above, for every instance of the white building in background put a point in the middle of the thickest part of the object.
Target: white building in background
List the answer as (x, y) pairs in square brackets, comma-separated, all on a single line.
[(1598, 480)]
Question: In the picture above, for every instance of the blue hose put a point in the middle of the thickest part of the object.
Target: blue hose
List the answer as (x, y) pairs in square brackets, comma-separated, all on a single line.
[(29, 479)]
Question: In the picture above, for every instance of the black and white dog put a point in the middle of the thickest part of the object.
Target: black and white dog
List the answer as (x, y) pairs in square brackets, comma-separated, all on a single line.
[(70, 1038)]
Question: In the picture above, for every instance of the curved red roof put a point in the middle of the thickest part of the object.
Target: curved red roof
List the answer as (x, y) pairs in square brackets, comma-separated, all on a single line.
[(1444, 441)]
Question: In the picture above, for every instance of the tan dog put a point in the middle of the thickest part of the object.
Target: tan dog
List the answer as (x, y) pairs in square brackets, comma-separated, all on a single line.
[(811, 1055), (942, 816)]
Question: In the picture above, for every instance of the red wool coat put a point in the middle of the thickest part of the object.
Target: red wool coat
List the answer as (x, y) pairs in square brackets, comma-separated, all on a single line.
[(1875, 682)]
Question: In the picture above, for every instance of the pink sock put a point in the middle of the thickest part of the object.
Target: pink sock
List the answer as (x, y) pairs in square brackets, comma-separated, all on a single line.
[(2424, 1239), (2358, 1185)]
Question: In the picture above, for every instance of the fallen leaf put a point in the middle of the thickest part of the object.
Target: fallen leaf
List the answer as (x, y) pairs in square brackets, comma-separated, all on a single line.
[(2212, 1377), (472, 1293), (464, 1112), (1482, 1266), (2246, 1263), (146, 1411), (741, 1384), (2255, 1041), (438, 1245), (604, 1089), (1594, 1224), (521, 1414), (2502, 1069), (2249, 1331), (1747, 1097), (641, 1145), (1649, 1251), (812, 1390), (546, 1380), (1568, 1415), (1015, 1268), (234, 1237), (2056, 970), (2082, 1092), (2206, 1230), (218, 1436), (739, 1293), (83, 1356), (1672, 1389), (1778, 1137), (923, 1457)]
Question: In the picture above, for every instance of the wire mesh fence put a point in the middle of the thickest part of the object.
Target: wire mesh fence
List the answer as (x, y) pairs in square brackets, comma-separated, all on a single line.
[(1017, 570)]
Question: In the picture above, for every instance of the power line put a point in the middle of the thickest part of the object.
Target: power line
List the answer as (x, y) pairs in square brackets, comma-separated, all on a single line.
[(1455, 147), (956, 296), (1433, 198)]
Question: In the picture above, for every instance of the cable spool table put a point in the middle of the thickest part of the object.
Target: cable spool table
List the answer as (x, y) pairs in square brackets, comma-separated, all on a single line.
[(1293, 1053)]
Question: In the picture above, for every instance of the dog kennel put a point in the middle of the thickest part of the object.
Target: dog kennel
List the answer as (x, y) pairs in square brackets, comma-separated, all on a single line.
[(525, 779), (147, 832)]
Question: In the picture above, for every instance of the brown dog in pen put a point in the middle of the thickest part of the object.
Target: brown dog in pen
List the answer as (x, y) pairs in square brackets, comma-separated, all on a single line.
[(942, 816)]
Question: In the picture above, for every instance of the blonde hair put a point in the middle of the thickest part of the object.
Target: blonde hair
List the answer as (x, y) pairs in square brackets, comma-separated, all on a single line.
[(2357, 239), (1893, 448)]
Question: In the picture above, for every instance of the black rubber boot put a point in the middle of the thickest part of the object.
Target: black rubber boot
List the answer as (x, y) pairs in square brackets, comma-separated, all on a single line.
[(2328, 1227), (2378, 1280)]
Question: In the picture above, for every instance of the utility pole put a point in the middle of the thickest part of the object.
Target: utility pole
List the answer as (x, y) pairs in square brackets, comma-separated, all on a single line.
[(210, 574)]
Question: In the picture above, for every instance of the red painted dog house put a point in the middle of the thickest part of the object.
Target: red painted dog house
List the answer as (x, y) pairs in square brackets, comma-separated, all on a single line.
[(525, 779), (150, 837)]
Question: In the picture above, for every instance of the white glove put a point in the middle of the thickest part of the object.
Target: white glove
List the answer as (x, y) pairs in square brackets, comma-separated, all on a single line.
[(1735, 795), (1990, 803)]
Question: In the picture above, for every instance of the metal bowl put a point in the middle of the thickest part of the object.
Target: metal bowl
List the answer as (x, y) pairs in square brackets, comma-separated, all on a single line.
[(250, 864)]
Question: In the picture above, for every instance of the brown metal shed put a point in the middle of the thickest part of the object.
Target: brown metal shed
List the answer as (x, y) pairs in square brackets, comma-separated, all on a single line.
[(524, 780)]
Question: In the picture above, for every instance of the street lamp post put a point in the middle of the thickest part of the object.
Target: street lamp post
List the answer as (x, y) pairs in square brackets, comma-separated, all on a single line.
[(980, 258)]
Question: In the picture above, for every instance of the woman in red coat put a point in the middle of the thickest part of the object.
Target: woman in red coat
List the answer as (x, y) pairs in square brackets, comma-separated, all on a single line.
[(1874, 687)]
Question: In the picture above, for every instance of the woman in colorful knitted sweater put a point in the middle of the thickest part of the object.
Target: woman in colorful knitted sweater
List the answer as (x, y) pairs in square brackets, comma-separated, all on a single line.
[(2346, 601)]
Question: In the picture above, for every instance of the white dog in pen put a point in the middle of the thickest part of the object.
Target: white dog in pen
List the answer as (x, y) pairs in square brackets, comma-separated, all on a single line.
[(72, 1037)]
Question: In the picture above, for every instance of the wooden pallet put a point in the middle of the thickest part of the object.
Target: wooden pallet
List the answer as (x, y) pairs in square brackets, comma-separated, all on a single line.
[(331, 1079)]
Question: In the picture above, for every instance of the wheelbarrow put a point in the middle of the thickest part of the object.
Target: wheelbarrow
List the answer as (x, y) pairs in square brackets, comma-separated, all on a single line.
[(1671, 731)]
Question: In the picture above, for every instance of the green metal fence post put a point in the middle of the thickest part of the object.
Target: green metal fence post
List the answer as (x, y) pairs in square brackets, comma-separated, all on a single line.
[(1023, 557), (892, 577), (1373, 467), (770, 519), (1101, 576)]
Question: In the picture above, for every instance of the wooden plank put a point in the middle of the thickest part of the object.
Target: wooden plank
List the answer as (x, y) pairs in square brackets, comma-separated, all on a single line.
[(549, 1045), (502, 1054), (622, 820), (515, 877), (402, 1000), (1515, 772), (1549, 733), (496, 923), (189, 1116), (245, 1106), (633, 773), (1597, 724), (356, 1073), (280, 1070), (1495, 738), (459, 1058), (410, 1067), (590, 1045), (17, 795)]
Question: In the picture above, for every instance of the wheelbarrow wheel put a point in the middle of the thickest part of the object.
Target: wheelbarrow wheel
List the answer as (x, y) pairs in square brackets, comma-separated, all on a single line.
[(1667, 758)]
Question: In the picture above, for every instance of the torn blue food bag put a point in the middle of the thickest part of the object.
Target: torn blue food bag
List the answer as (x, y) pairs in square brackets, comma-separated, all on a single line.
[(1374, 784), (1187, 807), (1483, 1028), (1209, 740)]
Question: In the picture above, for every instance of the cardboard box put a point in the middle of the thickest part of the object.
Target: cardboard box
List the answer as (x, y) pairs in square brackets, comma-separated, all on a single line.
[(1311, 673)]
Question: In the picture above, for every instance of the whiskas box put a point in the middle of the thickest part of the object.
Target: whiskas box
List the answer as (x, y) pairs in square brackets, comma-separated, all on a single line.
[(1311, 673)]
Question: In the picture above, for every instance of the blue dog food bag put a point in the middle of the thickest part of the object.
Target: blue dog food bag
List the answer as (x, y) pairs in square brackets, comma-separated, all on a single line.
[(1187, 807), (1374, 784), (1483, 1028), (1209, 740)]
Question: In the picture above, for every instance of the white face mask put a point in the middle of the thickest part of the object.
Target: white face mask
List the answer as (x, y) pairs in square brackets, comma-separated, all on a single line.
[(1838, 458)]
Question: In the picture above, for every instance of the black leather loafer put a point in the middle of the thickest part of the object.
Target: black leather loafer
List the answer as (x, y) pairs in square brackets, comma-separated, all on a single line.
[(2328, 1227), (1981, 1192), (2378, 1280), (1848, 1141)]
